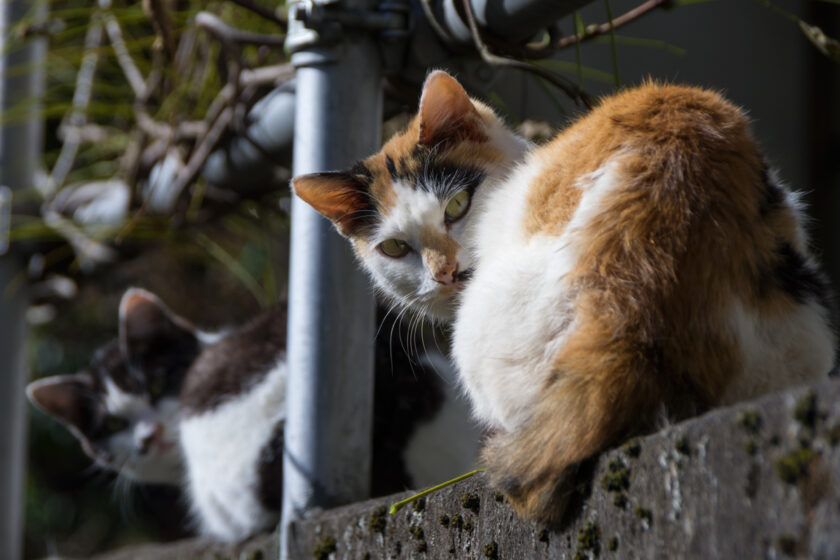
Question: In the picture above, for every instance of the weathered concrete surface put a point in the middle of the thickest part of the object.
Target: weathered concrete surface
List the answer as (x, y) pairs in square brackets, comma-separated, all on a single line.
[(760, 480), (262, 547)]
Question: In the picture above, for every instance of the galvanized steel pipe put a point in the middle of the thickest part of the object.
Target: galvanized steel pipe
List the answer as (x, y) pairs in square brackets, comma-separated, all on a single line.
[(21, 142), (329, 398)]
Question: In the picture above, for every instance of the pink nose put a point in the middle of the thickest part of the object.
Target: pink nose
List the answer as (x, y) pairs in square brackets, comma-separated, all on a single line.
[(446, 275)]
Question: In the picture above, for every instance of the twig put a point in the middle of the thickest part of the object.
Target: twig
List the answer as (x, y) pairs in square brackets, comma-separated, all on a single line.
[(592, 31), (201, 152), (159, 14), (132, 74), (259, 10), (567, 86), (88, 251), (267, 74), (150, 126), (81, 100), (225, 35), (88, 133)]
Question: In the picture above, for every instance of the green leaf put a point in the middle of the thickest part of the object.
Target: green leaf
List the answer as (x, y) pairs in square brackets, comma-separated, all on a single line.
[(825, 44)]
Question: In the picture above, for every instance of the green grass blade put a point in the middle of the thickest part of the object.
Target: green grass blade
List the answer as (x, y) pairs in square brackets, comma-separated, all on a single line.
[(612, 45), (402, 503)]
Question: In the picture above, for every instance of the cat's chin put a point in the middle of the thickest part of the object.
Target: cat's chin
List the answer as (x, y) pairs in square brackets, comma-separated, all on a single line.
[(442, 311)]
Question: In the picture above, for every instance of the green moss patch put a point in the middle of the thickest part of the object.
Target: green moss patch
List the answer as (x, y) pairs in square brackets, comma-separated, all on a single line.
[(471, 502), (324, 547), (750, 420), (378, 520), (632, 448), (805, 410), (588, 540), (793, 466)]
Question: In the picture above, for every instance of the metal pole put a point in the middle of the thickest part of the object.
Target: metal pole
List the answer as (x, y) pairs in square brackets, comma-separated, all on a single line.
[(329, 397), (21, 139)]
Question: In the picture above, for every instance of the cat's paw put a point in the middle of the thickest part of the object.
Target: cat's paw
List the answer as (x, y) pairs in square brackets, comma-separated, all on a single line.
[(543, 488)]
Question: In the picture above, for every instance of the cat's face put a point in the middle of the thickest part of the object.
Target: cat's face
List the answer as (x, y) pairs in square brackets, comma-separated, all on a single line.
[(408, 210), (124, 407)]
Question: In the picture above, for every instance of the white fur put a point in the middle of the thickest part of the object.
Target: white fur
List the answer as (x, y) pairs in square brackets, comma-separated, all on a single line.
[(161, 462), (779, 351), (504, 366), (221, 449), (408, 276)]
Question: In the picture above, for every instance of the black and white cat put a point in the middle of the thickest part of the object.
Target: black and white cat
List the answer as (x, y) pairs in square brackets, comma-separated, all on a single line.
[(167, 403)]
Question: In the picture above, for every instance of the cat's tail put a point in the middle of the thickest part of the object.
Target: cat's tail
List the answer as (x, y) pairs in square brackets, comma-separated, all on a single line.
[(597, 397)]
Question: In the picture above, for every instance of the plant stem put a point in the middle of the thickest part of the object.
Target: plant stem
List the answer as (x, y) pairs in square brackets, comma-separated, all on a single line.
[(402, 503), (612, 44)]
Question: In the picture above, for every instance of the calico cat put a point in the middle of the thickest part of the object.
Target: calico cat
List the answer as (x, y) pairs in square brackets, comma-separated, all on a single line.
[(645, 260), (167, 403)]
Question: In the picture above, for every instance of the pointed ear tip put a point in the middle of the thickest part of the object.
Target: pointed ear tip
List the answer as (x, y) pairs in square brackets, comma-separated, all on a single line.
[(136, 296), (439, 75), (31, 391)]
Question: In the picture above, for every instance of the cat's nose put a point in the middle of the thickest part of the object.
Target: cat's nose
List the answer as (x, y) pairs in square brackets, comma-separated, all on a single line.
[(446, 274), (443, 267), (149, 437)]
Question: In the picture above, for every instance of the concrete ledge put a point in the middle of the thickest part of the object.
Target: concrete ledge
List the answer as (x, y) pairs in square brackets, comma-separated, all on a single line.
[(759, 480), (260, 547)]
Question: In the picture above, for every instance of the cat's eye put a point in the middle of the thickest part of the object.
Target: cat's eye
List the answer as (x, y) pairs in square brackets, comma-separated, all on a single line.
[(114, 424), (394, 248), (457, 206)]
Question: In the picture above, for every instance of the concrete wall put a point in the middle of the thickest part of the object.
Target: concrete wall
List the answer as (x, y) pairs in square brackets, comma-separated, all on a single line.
[(761, 480)]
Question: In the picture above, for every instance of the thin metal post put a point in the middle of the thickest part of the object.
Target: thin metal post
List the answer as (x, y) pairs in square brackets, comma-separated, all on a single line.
[(21, 139), (329, 397)]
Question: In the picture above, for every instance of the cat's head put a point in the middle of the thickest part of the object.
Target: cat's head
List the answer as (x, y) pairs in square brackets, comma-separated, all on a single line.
[(407, 209), (124, 407)]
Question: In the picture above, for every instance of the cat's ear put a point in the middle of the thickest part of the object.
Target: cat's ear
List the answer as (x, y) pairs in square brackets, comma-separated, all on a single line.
[(446, 112), (65, 397), (341, 197), (149, 332)]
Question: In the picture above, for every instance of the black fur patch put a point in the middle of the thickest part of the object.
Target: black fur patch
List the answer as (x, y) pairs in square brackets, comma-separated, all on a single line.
[(406, 395), (438, 176), (270, 470), (392, 168), (361, 170), (773, 195), (798, 278), (231, 366)]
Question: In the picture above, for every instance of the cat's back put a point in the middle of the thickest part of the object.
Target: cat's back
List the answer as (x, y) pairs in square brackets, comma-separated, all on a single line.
[(236, 362), (233, 410), (652, 229), (661, 134)]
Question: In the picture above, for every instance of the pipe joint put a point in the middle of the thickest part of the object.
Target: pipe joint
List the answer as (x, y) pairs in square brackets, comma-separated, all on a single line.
[(314, 24)]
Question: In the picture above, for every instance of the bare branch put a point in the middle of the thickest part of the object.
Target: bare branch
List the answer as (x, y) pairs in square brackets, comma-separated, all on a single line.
[(593, 31), (158, 12), (229, 34), (132, 74), (81, 100), (568, 87), (263, 12), (267, 75), (202, 151), (89, 252)]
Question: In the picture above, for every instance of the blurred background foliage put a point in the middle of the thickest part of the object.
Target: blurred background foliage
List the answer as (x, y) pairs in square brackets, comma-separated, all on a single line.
[(215, 258), (94, 225)]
